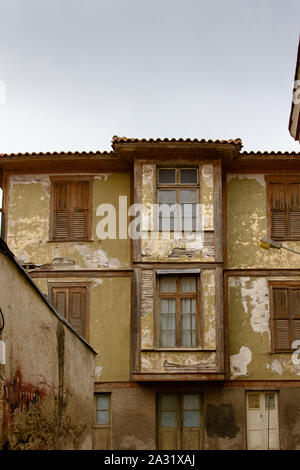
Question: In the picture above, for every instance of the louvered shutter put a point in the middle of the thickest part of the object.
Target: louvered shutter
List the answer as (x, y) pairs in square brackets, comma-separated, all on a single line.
[(60, 300), (279, 214), (76, 315), (80, 210), (62, 215), (281, 319), (295, 313), (294, 210)]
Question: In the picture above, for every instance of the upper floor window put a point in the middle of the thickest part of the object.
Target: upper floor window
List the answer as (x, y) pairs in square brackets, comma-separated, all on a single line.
[(178, 311), (71, 301), (284, 208), (285, 315), (71, 201), (178, 186)]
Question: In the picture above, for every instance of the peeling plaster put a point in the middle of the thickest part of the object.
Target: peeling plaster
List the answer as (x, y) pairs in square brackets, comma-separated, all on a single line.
[(240, 361), (98, 372), (259, 178), (255, 300)]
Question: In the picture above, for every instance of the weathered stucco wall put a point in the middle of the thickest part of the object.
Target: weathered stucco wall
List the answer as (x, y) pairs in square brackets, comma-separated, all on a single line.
[(28, 219), (46, 384), (163, 361), (109, 323), (247, 224), (157, 246), (250, 335)]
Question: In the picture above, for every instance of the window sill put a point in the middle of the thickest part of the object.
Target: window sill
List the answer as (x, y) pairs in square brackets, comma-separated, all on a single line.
[(178, 350), (71, 240)]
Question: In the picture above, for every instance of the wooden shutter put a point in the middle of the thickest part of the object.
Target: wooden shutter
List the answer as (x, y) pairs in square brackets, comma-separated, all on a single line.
[(62, 215), (71, 210), (80, 210), (60, 300), (76, 314), (286, 317), (70, 302), (281, 318), (294, 210), (279, 219)]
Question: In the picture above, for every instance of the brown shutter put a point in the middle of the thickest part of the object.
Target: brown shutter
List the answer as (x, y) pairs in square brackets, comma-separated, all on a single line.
[(62, 216), (80, 209), (281, 318), (60, 300), (294, 210), (278, 211), (76, 316)]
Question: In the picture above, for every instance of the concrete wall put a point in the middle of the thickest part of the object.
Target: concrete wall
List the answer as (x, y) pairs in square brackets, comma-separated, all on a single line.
[(46, 384)]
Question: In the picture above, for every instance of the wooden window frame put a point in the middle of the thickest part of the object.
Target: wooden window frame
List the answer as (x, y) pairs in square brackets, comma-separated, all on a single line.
[(103, 426), (286, 285), (97, 425), (69, 179), (69, 285), (177, 186), (178, 295), (285, 180), (179, 412)]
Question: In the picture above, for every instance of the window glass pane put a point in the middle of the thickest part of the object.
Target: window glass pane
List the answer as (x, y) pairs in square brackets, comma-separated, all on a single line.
[(188, 305), (102, 402), (168, 321), (188, 195), (168, 419), (166, 223), (168, 402), (186, 339), (168, 305), (270, 401), (188, 175), (187, 283), (1, 198), (191, 419), (191, 402), (166, 196), (167, 284), (0, 222), (166, 176), (102, 417), (253, 401), (168, 339), (188, 321)]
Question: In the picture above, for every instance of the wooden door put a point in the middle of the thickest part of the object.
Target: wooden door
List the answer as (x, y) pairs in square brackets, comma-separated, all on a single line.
[(179, 421), (262, 421)]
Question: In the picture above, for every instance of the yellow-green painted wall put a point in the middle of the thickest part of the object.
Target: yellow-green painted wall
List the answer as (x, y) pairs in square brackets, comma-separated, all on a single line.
[(28, 217), (247, 224)]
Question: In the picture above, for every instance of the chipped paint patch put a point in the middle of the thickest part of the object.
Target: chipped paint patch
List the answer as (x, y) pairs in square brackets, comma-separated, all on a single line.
[(276, 367), (156, 361), (255, 300), (98, 372), (240, 361), (257, 177)]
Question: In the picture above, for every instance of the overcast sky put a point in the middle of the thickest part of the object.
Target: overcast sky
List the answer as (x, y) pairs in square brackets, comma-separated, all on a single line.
[(77, 72)]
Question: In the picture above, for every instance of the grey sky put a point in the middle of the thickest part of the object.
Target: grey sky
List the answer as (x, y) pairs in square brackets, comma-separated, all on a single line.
[(79, 71)]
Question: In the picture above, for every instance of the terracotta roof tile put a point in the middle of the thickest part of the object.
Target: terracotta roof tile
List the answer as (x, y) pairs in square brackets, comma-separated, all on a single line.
[(125, 140)]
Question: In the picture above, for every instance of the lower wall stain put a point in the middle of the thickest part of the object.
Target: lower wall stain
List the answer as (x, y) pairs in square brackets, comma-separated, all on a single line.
[(18, 396), (220, 421)]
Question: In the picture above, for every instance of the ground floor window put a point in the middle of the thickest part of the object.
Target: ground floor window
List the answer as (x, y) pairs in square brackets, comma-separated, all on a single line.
[(262, 420), (179, 421), (102, 423)]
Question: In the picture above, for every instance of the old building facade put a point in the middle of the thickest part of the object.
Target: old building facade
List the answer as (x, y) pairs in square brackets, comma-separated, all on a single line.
[(196, 337)]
